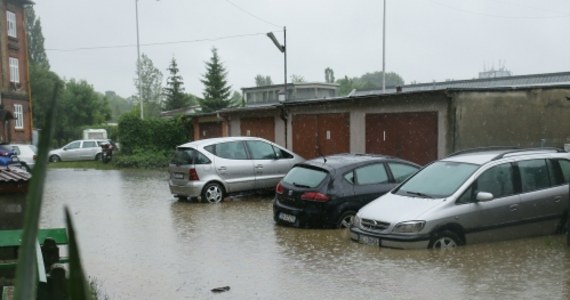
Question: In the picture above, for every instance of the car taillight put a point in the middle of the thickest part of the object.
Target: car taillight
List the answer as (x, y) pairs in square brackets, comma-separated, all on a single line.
[(193, 175), (315, 196), (279, 188)]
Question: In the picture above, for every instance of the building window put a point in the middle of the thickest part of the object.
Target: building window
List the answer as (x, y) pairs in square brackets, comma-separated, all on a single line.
[(11, 24), (14, 70), (19, 115)]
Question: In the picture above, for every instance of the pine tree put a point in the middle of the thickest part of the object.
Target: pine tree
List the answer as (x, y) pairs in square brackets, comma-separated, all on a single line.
[(174, 90), (216, 90)]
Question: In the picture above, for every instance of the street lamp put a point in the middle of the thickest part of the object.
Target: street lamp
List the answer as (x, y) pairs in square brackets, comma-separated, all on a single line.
[(384, 50), (139, 58), (283, 49)]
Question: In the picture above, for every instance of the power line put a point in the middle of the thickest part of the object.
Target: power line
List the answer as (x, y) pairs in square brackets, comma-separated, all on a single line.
[(252, 15), (159, 43), (498, 16)]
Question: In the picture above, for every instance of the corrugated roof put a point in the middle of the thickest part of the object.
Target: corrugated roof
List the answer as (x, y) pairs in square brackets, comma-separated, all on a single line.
[(9, 175), (489, 83)]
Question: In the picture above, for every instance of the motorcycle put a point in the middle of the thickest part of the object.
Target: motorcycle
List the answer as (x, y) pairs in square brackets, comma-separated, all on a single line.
[(107, 152)]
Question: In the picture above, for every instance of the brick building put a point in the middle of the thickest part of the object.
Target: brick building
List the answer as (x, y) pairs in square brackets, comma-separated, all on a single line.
[(15, 103)]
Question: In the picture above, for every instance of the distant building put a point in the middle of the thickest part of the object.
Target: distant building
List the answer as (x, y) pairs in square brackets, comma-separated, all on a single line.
[(15, 103), (492, 73), (273, 94)]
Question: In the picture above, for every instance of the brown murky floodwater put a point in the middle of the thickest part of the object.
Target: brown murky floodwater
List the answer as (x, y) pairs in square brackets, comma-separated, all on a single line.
[(138, 242)]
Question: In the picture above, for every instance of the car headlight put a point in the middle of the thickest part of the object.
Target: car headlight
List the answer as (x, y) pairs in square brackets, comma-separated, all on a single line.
[(409, 227), (356, 221)]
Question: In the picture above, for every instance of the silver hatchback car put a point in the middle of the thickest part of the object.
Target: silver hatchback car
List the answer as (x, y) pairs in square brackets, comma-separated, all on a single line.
[(214, 168), (78, 150), (478, 195)]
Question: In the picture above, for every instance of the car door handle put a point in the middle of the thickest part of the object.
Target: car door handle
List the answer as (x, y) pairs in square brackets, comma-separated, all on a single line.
[(259, 166), (557, 199), (222, 168), (514, 207)]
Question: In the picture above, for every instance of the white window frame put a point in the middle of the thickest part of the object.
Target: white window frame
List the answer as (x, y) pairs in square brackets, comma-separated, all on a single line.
[(14, 70), (19, 114), (11, 18)]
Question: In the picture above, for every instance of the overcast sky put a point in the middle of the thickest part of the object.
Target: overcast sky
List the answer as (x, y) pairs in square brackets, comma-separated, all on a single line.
[(426, 40)]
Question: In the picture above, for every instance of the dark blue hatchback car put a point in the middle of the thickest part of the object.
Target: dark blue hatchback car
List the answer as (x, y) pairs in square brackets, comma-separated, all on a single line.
[(326, 192)]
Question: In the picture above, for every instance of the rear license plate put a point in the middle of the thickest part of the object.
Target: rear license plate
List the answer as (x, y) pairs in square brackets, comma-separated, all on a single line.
[(178, 175), (368, 240), (287, 217)]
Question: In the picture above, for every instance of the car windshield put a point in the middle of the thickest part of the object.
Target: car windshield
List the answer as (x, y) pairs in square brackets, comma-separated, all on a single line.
[(305, 177), (437, 180)]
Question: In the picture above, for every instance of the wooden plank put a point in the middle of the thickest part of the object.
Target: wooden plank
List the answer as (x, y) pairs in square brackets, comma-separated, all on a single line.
[(12, 238), (58, 234)]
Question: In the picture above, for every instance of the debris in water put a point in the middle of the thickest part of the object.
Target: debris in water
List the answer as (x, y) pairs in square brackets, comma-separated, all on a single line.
[(221, 289)]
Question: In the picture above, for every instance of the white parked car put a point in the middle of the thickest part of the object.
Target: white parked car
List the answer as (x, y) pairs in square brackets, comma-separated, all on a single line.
[(26, 153), (78, 150)]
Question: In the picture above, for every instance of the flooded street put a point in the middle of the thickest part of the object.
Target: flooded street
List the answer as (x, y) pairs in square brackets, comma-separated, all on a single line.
[(138, 242)]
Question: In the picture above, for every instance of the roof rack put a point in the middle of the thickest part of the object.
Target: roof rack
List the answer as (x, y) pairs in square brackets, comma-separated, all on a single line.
[(507, 150), (535, 150), (483, 149)]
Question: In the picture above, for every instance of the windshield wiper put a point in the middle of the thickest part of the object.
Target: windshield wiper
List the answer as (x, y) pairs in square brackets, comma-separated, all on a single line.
[(419, 194)]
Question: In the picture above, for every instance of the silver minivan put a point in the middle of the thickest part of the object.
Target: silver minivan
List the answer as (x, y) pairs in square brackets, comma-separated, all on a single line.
[(214, 168), (478, 195)]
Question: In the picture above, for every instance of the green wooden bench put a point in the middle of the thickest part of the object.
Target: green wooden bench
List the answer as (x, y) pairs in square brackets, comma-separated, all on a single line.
[(47, 252)]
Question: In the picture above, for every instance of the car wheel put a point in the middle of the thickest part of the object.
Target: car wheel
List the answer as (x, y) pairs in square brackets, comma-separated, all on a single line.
[(213, 192), (446, 239), (345, 220), (98, 157), (563, 226), (25, 167), (54, 158)]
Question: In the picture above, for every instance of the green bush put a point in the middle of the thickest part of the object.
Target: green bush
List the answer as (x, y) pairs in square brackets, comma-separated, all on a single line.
[(143, 158), (138, 137)]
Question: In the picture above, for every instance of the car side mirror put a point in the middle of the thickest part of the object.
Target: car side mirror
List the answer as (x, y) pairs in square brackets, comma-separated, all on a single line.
[(484, 196)]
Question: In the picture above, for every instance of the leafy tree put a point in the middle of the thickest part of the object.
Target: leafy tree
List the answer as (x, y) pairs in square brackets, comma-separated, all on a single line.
[(261, 80), (216, 89), (82, 106), (297, 78), (117, 104), (174, 90), (374, 80), (329, 75), (35, 38), (149, 87), (42, 85), (346, 85), (368, 81)]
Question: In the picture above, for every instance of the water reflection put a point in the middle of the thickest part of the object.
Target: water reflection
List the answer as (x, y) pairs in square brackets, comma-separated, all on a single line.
[(141, 243)]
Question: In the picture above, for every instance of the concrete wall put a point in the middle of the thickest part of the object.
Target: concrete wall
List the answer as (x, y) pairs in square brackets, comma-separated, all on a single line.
[(525, 117)]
